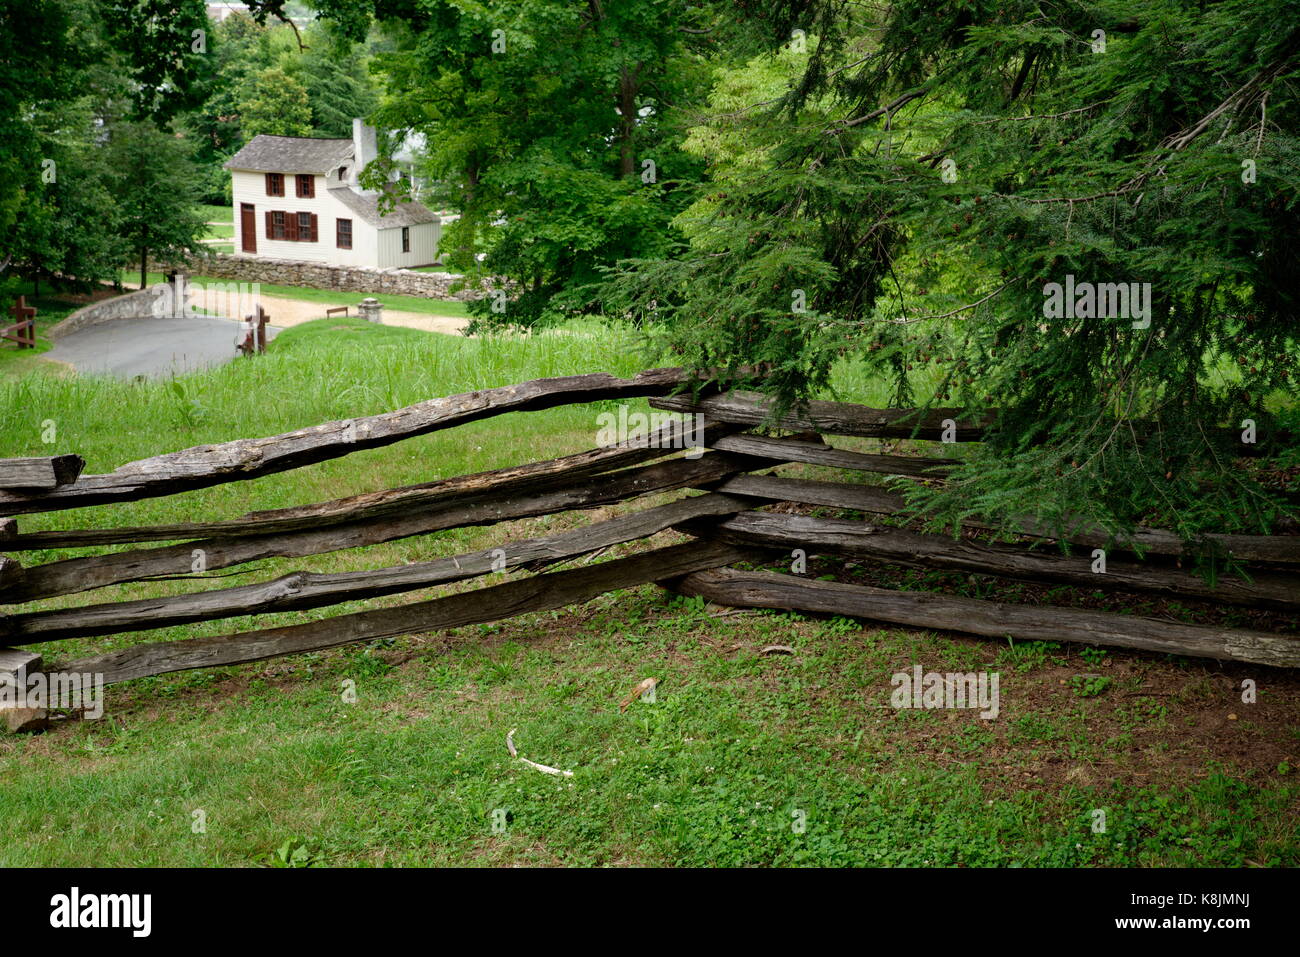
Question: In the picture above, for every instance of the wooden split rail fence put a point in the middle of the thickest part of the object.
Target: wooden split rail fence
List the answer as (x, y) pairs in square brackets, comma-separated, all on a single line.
[(727, 525), (23, 331)]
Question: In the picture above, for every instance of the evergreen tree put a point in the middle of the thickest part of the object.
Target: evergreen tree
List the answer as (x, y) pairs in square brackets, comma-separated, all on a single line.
[(935, 171)]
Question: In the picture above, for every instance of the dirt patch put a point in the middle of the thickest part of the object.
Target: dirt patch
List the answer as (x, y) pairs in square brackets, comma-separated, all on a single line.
[(292, 312)]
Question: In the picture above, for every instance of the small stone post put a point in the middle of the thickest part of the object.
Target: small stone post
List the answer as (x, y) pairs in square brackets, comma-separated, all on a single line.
[(372, 310)]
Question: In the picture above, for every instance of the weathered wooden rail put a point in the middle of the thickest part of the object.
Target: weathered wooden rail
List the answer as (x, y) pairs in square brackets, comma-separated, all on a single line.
[(727, 524)]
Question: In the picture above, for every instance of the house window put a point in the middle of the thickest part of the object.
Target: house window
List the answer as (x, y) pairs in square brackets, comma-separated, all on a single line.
[(306, 184), (291, 227), (406, 239), (274, 184), (343, 233)]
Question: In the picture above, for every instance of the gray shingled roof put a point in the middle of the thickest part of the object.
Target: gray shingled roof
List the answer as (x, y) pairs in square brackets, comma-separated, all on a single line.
[(408, 213), (290, 154)]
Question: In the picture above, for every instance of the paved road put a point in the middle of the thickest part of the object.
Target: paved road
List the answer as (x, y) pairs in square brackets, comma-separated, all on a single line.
[(155, 348)]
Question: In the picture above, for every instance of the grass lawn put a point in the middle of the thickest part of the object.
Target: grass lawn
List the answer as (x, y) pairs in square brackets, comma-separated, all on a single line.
[(742, 759), (221, 220), (218, 214)]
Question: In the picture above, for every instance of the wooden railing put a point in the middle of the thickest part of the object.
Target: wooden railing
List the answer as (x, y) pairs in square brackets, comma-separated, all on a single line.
[(727, 524)]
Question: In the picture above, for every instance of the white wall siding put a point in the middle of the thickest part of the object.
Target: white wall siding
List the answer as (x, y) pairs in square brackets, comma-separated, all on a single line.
[(424, 246), (366, 247)]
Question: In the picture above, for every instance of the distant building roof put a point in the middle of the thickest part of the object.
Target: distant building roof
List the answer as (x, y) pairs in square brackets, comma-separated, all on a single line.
[(291, 154), (366, 205)]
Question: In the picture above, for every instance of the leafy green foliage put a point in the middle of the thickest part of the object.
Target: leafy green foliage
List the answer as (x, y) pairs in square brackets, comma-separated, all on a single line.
[(155, 188), (275, 102), (554, 129)]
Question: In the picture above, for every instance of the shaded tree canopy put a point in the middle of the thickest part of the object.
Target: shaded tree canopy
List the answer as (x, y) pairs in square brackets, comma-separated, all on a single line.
[(907, 202)]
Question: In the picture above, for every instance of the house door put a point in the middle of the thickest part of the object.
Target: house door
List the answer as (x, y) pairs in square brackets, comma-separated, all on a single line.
[(248, 227)]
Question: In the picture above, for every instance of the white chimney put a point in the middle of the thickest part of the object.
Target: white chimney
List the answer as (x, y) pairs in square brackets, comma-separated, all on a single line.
[(365, 147)]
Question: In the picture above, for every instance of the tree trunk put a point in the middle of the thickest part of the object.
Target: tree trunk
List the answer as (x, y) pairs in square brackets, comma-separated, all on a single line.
[(627, 90), (468, 213), (144, 262)]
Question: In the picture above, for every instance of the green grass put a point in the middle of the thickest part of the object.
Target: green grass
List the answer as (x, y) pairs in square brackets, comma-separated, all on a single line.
[(218, 214), (742, 759)]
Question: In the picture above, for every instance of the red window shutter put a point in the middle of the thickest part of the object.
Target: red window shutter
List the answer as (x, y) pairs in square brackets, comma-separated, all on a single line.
[(270, 189), (313, 228), (270, 226), (291, 226)]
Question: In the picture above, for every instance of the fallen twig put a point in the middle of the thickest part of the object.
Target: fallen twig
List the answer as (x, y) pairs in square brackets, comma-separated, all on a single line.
[(510, 746)]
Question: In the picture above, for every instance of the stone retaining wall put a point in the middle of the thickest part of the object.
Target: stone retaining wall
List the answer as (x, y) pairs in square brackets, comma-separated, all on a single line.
[(295, 272), (133, 305)]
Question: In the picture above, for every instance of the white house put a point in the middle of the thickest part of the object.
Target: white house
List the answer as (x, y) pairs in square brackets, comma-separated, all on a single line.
[(218, 12), (298, 198)]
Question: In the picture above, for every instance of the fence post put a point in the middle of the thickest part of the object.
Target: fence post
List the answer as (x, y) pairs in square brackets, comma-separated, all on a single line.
[(15, 666), (262, 319), (24, 330)]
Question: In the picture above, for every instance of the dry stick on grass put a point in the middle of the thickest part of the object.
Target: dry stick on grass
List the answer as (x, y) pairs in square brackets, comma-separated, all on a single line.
[(493, 603), (81, 574), (989, 619), (514, 753)]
